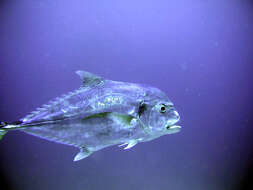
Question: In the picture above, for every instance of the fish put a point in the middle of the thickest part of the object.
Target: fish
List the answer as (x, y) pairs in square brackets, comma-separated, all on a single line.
[(101, 113)]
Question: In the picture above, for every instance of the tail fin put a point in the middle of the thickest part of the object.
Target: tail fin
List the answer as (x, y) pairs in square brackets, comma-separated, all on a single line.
[(16, 125), (2, 131)]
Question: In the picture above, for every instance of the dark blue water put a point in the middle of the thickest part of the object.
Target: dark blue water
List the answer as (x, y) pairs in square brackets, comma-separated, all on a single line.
[(199, 52)]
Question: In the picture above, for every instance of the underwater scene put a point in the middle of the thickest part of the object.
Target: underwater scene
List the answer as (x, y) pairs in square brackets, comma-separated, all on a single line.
[(126, 95)]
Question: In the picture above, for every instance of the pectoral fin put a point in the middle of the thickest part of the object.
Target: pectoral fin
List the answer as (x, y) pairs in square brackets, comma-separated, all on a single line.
[(84, 153), (123, 144)]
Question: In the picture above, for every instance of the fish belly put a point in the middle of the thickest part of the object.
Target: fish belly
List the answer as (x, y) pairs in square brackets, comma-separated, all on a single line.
[(93, 133)]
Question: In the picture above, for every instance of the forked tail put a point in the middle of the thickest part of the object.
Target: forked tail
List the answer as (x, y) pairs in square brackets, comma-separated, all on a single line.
[(2, 130), (5, 127), (17, 125)]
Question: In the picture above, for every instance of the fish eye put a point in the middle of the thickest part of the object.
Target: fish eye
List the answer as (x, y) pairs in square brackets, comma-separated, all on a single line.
[(162, 108)]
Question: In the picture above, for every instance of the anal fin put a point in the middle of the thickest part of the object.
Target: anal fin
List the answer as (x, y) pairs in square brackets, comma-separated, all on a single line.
[(84, 153), (129, 144)]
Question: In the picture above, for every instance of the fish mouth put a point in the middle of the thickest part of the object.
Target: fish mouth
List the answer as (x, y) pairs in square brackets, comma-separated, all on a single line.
[(170, 125), (173, 127)]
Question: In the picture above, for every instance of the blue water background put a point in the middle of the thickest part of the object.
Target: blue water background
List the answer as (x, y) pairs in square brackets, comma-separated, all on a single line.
[(199, 52)]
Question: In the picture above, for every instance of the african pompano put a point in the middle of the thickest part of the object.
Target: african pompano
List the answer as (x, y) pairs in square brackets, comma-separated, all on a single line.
[(101, 113)]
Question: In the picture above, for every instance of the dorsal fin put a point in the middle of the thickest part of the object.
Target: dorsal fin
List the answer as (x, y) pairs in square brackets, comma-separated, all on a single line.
[(89, 79)]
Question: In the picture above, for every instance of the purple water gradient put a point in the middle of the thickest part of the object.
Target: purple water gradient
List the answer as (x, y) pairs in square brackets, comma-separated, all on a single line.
[(199, 52)]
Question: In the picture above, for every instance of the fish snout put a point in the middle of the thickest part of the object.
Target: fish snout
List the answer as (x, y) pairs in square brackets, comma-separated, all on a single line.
[(174, 117)]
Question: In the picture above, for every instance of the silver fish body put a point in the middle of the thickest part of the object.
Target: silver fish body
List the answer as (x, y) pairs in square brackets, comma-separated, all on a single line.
[(103, 113)]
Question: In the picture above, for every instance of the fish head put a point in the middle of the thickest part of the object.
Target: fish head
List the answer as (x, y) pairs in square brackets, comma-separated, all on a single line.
[(159, 117)]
